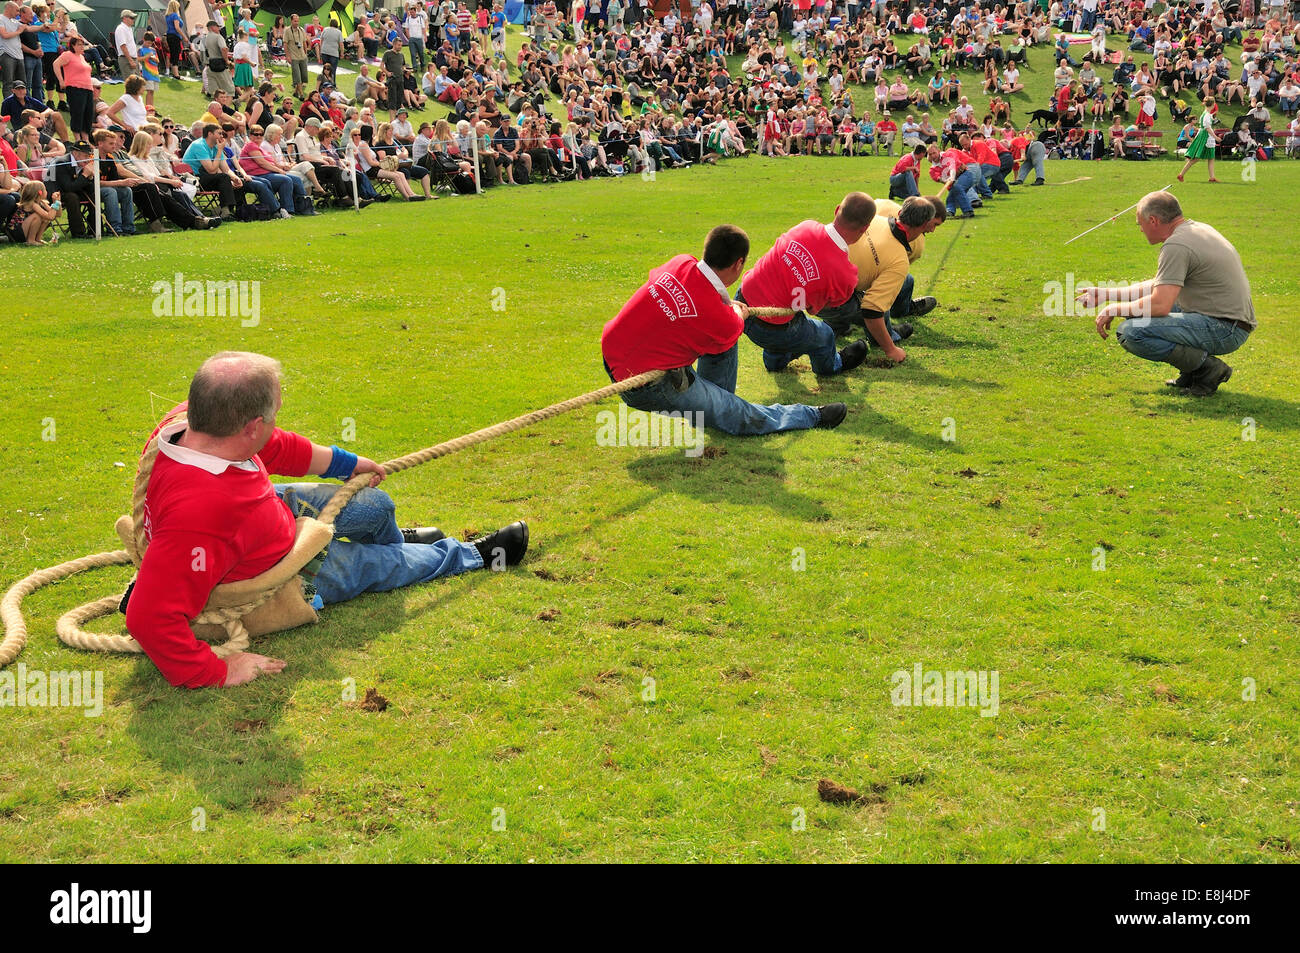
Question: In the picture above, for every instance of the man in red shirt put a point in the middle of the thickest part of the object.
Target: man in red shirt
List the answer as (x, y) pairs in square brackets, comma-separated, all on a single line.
[(990, 162), (212, 516), (906, 171), (952, 166), (808, 269), (683, 315)]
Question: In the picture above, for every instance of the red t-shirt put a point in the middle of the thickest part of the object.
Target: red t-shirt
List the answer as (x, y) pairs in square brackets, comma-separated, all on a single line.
[(805, 260), (959, 156), (204, 529), (886, 125), (673, 318), (984, 153), (1018, 146), (909, 163)]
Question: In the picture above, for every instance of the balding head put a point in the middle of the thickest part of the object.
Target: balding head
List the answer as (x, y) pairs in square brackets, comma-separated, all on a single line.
[(1161, 206), (854, 215), (230, 390)]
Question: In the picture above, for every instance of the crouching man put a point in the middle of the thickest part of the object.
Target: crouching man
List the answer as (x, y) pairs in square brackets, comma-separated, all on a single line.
[(213, 516), (683, 315), (1196, 307)]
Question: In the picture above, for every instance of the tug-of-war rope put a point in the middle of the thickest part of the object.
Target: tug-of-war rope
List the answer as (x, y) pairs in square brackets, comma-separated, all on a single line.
[(230, 604)]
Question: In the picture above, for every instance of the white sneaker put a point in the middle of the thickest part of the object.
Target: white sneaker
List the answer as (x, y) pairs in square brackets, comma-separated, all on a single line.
[(284, 213)]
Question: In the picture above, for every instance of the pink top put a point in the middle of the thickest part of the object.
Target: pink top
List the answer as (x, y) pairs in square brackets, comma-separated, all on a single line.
[(76, 71)]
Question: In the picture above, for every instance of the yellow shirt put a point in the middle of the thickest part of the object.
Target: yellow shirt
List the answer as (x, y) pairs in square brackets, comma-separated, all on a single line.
[(886, 208), (882, 265)]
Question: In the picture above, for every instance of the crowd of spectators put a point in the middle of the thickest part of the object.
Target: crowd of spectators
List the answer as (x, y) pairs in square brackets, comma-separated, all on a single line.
[(437, 105)]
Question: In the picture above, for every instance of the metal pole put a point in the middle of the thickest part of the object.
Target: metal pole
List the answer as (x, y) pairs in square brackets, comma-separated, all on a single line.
[(99, 212), (478, 169), (353, 164)]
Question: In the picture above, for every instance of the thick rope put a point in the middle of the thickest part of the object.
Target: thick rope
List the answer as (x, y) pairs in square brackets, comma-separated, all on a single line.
[(770, 312), (69, 626)]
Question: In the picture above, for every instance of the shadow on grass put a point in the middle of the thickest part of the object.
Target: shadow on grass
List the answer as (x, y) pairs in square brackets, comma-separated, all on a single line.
[(742, 476), (1268, 413), (226, 741)]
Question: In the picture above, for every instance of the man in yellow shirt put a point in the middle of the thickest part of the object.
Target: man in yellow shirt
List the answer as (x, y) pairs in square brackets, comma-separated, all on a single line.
[(883, 256)]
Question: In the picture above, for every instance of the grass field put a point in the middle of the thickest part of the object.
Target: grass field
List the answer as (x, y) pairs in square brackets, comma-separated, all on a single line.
[(1120, 689)]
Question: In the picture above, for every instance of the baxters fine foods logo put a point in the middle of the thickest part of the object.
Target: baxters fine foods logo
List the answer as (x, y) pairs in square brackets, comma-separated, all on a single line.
[(805, 264), (672, 297)]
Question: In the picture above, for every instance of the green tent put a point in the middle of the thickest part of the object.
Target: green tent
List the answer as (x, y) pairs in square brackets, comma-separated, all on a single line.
[(97, 19)]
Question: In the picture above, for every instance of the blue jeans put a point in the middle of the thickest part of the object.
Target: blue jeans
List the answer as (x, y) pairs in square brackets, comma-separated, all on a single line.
[(993, 176), (1153, 339), (1035, 153), (262, 190), (782, 343), (367, 554), (287, 187), (119, 208), (904, 184), (981, 187), (34, 69), (712, 393), (957, 195), (901, 307)]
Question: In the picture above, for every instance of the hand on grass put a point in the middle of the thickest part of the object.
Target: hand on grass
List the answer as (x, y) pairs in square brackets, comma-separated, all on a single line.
[(245, 666)]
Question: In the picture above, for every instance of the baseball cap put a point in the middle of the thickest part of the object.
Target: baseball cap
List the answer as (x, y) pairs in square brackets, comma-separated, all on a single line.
[(81, 145), (129, 13)]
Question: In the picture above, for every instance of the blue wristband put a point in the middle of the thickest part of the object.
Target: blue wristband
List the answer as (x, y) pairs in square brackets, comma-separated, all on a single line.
[(341, 466)]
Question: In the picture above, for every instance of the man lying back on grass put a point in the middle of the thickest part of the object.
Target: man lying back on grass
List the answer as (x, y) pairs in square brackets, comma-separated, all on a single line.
[(213, 516)]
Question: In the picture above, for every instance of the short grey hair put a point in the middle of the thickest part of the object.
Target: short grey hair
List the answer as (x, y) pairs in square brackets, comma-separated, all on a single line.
[(1161, 206), (231, 389), (915, 212)]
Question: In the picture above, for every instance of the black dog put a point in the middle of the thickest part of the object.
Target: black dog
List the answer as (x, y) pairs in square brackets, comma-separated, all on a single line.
[(1042, 116)]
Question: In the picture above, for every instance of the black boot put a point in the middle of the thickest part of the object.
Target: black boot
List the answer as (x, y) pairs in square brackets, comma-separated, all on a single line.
[(1188, 360), (852, 356), (1207, 380), (505, 547), (922, 306), (831, 416), (422, 534)]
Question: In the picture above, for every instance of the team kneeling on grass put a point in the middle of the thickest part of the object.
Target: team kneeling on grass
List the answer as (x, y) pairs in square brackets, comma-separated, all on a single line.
[(209, 491)]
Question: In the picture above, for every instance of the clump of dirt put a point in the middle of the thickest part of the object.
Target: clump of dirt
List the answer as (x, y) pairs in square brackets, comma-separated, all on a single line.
[(547, 615), (968, 473), (249, 724), (1164, 692), (832, 792), (374, 701), (712, 453)]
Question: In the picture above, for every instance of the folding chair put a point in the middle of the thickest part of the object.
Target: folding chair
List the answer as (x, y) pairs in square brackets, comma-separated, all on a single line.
[(209, 203)]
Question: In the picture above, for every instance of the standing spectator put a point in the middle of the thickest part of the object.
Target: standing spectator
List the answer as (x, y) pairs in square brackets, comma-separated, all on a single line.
[(11, 47), (73, 73), (215, 51), (394, 64), (331, 46), (124, 45), (176, 37), (295, 48), (417, 30)]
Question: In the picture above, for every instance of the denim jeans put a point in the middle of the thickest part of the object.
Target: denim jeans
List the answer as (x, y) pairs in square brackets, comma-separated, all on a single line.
[(262, 189), (712, 393), (1153, 339), (367, 554), (34, 70), (287, 187), (1035, 153), (993, 176), (957, 194), (904, 184), (119, 208), (977, 172), (782, 343)]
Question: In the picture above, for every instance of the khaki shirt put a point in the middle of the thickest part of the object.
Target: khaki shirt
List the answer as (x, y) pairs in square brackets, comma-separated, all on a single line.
[(1204, 264), (295, 43)]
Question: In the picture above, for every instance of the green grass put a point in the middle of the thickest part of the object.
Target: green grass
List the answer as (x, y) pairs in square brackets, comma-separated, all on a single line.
[(1120, 689)]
